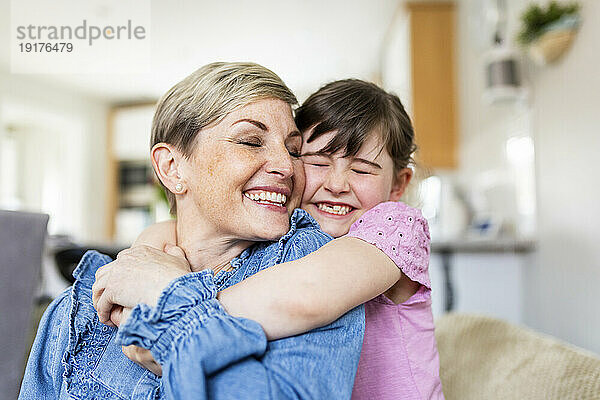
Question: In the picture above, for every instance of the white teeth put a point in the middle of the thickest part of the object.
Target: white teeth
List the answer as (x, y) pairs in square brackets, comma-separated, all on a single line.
[(267, 197), (336, 209)]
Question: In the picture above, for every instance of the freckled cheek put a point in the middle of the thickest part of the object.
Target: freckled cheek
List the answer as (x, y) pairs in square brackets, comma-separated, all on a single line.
[(232, 169), (218, 177)]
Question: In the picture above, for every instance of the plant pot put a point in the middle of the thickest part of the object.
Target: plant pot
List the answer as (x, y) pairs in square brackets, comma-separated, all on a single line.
[(556, 39), (551, 45)]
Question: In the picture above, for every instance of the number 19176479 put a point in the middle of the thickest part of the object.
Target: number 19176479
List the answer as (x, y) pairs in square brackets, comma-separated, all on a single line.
[(46, 47)]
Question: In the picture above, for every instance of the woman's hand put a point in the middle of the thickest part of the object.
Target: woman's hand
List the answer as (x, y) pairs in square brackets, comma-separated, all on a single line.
[(138, 275)]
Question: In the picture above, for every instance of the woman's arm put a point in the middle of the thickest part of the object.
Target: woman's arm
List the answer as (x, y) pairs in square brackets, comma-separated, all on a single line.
[(44, 372), (310, 292)]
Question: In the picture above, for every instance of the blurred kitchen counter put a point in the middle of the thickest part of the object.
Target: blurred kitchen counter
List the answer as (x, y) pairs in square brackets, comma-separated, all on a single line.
[(493, 245)]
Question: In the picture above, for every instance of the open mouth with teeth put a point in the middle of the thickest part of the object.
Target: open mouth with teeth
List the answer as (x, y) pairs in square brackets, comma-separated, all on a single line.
[(267, 198), (335, 209)]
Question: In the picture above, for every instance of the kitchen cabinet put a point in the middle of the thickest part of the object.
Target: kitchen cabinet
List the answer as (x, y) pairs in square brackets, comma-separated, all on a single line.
[(434, 100)]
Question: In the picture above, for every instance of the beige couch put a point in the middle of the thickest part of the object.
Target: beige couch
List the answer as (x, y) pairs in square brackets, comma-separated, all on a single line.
[(485, 358)]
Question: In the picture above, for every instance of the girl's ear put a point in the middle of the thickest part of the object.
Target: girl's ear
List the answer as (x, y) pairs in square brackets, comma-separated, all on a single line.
[(166, 162), (401, 181)]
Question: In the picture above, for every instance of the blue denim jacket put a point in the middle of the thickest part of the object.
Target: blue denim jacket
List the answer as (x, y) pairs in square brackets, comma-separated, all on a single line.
[(205, 352)]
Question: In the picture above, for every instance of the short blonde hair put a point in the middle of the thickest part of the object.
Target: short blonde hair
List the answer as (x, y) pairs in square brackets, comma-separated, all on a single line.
[(206, 97)]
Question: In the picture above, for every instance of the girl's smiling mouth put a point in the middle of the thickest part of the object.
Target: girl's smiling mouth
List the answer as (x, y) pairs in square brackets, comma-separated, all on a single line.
[(337, 209)]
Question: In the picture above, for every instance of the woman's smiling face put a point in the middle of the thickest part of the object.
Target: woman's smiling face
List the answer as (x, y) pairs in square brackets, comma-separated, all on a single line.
[(340, 189), (244, 177)]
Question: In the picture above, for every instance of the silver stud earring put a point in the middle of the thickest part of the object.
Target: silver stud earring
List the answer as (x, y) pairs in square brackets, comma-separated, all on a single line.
[(178, 187)]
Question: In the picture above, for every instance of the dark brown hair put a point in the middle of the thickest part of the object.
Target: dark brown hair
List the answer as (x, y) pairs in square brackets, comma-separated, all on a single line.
[(355, 109)]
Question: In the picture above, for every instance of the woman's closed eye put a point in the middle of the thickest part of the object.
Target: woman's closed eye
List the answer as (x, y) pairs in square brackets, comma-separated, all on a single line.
[(255, 142)]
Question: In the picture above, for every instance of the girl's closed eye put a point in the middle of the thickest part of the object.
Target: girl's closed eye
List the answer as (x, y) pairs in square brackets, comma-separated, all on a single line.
[(361, 171)]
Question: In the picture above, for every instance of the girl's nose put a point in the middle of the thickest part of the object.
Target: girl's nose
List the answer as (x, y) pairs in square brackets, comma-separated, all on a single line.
[(336, 182)]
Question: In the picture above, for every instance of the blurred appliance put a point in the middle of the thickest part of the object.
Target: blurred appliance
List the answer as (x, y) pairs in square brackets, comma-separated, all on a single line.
[(444, 208), (502, 74), (501, 62)]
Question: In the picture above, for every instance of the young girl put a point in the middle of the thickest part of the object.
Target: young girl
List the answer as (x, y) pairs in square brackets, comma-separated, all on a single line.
[(358, 142)]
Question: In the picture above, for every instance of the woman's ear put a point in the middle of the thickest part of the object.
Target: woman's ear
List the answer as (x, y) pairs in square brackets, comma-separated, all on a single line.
[(401, 181), (166, 162)]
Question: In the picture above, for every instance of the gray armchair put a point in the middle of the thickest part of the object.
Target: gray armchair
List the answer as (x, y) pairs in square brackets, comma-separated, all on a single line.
[(21, 243)]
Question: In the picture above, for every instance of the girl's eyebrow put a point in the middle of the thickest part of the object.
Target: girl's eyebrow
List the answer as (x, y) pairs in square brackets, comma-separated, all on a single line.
[(354, 159), (371, 163)]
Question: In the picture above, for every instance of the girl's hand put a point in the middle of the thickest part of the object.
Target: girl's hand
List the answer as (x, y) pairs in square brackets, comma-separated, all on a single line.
[(143, 358), (138, 275), (138, 355)]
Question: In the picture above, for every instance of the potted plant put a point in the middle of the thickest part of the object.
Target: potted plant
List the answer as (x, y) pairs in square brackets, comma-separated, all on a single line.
[(549, 32)]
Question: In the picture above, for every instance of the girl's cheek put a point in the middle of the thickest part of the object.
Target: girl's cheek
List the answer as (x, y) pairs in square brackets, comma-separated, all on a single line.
[(370, 191), (314, 177)]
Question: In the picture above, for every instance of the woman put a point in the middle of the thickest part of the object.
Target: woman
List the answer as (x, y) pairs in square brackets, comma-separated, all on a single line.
[(204, 136)]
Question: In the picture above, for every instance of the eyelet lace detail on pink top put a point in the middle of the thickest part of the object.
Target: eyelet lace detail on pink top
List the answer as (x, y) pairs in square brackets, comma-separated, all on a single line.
[(402, 233)]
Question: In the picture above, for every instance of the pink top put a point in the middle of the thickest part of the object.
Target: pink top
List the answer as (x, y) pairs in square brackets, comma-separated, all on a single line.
[(399, 358)]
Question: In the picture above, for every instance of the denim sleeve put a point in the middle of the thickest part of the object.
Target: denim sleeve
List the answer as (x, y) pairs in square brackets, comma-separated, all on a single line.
[(43, 374), (206, 353)]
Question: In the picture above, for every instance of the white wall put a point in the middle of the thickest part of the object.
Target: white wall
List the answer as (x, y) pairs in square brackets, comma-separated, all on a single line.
[(556, 286), (62, 136), (562, 296)]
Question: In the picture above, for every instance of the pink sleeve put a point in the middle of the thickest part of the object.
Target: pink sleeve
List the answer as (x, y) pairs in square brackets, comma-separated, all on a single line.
[(402, 233)]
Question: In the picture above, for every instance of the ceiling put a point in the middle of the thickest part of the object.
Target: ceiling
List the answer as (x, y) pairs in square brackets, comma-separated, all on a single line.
[(306, 42)]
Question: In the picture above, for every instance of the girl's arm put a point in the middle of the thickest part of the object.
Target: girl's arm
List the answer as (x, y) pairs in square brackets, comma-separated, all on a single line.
[(307, 293), (386, 250), (297, 296), (158, 235)]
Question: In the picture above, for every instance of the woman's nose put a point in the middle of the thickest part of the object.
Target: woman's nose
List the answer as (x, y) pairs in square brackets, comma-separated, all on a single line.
[(336, 182), (280, 162)]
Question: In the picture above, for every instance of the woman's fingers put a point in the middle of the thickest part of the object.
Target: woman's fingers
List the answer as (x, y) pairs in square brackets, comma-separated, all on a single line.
[(104, 306), (138, 275), (116, 316), (98, 289)]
